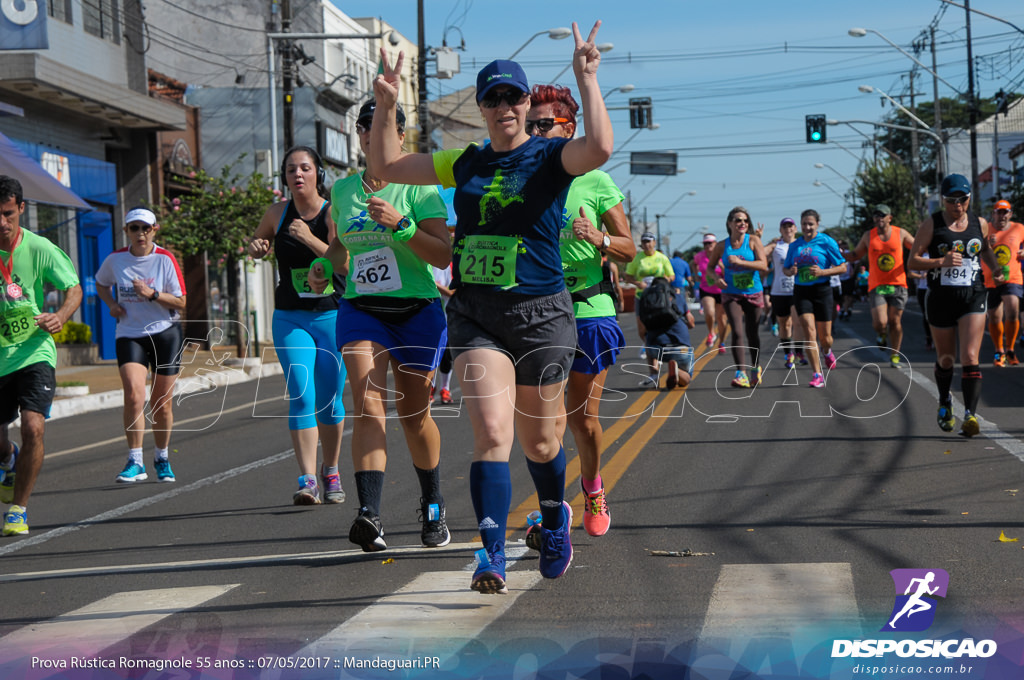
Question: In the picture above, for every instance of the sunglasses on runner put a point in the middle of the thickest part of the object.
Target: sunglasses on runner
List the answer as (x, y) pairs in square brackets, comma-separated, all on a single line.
[(144, 228), (511, 97), (544, 125), (956, 200)]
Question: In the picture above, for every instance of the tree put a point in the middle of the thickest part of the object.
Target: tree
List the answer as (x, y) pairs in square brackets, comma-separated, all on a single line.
[(889, 182), (217, 218), (956, 114)]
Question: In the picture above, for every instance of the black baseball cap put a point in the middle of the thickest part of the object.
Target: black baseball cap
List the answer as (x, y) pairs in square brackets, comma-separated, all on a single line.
[(367, 109)]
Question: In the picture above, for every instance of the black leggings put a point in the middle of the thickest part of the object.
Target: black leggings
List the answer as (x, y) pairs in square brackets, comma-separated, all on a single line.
[(744, 314)]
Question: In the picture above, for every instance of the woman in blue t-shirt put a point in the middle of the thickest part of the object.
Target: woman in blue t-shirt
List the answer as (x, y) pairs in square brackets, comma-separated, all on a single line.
[(813, 258), (510, 321), (742, 291)]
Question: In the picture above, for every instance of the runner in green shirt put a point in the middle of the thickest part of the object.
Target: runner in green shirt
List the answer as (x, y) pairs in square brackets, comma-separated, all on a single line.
[(28, 355), (592, 196)]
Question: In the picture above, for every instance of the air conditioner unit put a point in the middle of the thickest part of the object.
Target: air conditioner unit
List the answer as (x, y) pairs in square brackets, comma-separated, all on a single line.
[(263, 161)]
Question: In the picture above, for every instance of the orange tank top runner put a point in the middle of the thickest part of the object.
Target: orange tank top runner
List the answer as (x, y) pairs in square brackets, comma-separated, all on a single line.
[(885, 260), (1007, 245)]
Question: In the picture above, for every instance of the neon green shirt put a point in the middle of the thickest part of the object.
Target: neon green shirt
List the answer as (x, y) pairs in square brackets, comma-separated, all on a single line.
[(596, 193), (378, 264), (36, 262), (649, 266)]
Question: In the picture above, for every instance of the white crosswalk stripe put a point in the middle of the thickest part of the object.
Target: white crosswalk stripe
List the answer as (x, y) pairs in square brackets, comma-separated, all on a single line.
[(435, 615), (85, 632), (765, 600)]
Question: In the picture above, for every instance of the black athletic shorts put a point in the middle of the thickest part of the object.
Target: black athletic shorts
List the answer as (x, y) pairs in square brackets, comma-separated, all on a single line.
[(160, 352), (537, 332), (944, 306), (815, 299), (30, 389)]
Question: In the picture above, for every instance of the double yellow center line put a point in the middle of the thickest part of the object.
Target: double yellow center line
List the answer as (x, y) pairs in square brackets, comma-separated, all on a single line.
[(615, 467)]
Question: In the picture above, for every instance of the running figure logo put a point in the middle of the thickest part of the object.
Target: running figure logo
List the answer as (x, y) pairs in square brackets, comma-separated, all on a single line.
[(914, 610)]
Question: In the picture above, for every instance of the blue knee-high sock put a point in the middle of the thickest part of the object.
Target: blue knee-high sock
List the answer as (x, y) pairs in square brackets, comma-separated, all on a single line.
[(490, 486), (549, 479)]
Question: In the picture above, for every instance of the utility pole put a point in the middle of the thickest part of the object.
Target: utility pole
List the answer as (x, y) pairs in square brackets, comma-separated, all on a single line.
[(421, 82), (973, 110), (915, 166), (940, 163), (287, 64)]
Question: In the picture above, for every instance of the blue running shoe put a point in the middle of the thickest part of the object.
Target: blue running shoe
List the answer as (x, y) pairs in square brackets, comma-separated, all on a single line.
[(15, 521), (163, 470), (947, 421), (133, 472), (489, 577), (7, 477), (555, 546), (308, 493)]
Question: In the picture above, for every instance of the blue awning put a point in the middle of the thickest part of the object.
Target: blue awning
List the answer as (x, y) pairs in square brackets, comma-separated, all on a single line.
[(38, 185)]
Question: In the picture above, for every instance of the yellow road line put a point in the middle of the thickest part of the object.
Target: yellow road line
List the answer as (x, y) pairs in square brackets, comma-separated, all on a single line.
[(613, 469)]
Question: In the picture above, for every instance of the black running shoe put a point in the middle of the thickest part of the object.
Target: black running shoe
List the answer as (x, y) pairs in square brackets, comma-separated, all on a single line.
[(435, 531), (367, 533)]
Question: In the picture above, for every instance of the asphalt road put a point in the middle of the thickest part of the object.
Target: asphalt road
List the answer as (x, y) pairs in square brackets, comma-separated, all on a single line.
[(782, 510)]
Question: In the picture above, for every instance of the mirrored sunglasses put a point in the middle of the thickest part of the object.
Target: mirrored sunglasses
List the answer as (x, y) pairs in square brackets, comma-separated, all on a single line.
[(956, 200), (511, 97), (543, 124)]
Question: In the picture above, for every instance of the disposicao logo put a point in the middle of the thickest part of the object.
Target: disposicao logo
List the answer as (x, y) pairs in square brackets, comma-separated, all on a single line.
[(914, 609)]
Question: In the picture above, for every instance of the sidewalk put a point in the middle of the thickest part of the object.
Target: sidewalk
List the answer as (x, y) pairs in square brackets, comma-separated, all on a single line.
[(199, 370)]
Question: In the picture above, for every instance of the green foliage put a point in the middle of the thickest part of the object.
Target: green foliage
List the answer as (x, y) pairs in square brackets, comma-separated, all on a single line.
[(73, 333), (889, 182), (218, 217), (956, 114)]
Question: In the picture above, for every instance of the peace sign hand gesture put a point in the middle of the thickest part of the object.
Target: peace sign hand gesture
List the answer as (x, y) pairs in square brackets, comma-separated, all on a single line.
[(386, 84), (586, 57)]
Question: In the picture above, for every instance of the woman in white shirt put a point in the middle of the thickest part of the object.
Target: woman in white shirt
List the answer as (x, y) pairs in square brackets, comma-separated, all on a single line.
[(145, 291)]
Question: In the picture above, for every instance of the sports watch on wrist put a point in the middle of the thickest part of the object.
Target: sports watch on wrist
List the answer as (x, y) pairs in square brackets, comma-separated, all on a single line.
[(155, 295), (403, 223), (605, 243)]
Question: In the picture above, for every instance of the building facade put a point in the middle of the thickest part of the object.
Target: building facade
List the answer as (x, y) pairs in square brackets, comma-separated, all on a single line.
[(82, 110)]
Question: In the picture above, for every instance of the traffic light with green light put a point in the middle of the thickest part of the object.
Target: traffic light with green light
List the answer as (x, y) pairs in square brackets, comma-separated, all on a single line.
[(816, 128)]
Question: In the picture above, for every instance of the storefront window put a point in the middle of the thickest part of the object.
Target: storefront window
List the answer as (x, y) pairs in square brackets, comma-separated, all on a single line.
[(102, 18), (60, 10)]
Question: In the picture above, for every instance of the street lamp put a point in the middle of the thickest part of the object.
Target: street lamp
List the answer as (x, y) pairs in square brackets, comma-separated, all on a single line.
[(861, 32), (905, 128), (620, 88), (819, 183), (868, 89), (842, 215), (675, 202), (601, 47), (553, 33), (826, 165)]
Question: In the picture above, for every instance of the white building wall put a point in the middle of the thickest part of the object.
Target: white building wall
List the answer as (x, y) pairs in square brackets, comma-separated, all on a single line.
[(72, 46)]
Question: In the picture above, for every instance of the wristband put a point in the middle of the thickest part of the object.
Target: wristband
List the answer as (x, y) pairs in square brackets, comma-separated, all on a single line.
[(404, 234), (328, 267)]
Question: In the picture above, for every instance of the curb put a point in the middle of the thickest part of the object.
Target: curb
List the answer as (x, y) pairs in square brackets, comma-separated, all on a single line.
[(202, 381)]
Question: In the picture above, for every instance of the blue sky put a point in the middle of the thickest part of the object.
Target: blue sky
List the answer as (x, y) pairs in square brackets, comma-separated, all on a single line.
[(731, 83)]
